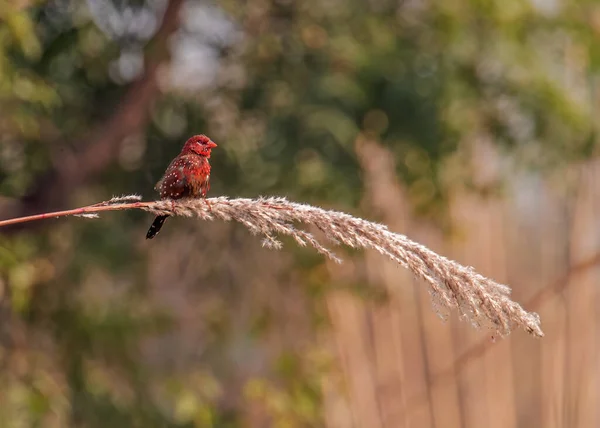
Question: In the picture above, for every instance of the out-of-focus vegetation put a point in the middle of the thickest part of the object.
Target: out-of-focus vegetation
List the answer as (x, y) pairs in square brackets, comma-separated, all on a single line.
[(99, 327)]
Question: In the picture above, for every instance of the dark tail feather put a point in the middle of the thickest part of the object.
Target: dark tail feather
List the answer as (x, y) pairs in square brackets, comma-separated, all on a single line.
[(156, 225)]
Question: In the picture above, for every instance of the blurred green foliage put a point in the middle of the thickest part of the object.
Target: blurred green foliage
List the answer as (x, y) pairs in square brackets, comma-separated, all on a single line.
[(292, 87)]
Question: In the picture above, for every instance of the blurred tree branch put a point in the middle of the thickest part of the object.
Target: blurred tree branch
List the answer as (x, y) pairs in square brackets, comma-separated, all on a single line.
[(481, 348), (71, 169), (132, 113), (535, 303)]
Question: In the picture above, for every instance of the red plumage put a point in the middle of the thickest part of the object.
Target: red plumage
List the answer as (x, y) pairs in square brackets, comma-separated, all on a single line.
[(187, 176)]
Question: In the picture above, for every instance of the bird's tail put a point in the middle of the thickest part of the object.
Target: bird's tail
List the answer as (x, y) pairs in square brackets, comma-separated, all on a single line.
[(156, 225)]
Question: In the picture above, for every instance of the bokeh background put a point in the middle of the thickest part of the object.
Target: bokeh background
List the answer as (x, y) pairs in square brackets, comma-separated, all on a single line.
[(468, 125)]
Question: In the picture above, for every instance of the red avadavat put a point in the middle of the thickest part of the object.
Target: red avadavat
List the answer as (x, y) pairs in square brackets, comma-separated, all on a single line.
[(187, 176)]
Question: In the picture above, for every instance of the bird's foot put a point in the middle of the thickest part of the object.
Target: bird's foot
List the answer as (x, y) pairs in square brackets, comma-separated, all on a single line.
[(208, 205)]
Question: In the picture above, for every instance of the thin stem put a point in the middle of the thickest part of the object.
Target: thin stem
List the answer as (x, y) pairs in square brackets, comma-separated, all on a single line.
[(89, 209)]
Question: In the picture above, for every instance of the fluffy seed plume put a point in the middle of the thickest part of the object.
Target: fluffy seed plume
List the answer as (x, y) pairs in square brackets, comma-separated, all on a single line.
[(88, 215), (123, 199), (452, 285)]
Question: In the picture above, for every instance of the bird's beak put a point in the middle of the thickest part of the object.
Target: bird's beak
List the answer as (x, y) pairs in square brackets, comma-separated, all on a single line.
[(211, 145)]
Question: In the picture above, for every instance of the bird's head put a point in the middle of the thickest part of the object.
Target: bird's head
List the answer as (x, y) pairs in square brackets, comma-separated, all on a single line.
[(198, 144)]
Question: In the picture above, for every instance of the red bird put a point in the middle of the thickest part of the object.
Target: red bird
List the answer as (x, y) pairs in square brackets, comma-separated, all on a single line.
[(186, 177)]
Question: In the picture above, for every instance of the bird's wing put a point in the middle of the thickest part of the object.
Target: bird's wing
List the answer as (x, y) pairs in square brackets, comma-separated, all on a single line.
[(159, 184), (174, 183)]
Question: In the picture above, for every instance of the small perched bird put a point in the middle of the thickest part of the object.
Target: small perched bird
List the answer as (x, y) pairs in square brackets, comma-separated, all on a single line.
[(187, 176)]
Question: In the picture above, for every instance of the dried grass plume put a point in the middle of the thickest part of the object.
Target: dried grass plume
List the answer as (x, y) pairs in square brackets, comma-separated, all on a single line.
[(451, 284)]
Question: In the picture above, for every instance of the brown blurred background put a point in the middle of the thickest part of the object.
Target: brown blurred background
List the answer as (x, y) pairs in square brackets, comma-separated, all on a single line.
[(468, 125)]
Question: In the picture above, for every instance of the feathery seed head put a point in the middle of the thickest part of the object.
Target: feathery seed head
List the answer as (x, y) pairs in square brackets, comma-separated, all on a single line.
[(452, 285)]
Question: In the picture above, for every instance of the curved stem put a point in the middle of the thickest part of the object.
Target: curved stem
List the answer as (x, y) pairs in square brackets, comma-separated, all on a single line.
[(89, 209)]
